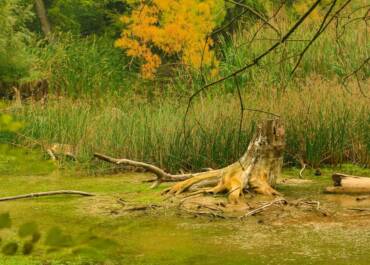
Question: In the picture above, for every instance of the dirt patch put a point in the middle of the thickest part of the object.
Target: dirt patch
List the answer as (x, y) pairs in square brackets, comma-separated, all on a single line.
[(329, 210), (293, 181), (314, 209)]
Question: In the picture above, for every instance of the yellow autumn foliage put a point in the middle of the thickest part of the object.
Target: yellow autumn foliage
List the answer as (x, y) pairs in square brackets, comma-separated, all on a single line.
[(160, 29), (301, 6)]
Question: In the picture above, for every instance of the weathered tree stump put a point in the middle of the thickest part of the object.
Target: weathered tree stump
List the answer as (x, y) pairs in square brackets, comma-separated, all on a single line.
[(257, 170)]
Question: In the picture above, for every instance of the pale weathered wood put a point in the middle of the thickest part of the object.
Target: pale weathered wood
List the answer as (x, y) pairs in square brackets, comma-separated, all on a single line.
[(257, 170), (347, 190), (345, 180), (344, 183), (162, 176), (46, 193)]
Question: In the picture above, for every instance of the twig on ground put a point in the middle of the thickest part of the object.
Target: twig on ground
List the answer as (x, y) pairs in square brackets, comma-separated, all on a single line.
[(301, 171), (359, 209), (47, 193), (263, 207)]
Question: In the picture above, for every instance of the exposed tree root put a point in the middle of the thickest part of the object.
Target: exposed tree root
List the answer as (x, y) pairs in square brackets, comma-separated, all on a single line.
[(47, 193), (212, 207), (256, 170)]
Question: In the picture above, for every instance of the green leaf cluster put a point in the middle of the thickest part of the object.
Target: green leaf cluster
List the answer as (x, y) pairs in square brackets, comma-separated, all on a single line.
[(56, 239), (15, 59)]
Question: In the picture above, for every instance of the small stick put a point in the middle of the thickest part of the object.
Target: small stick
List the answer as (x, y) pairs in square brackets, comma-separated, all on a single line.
[(46, 193), (301, 171), (140, 207), (359, 209), (263, 207)]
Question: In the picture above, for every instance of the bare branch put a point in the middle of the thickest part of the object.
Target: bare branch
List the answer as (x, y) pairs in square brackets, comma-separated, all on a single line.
[(47, 193), (257, 14), (257, 59), (265, 206), (321, 29), (355, 74), (162, 176)]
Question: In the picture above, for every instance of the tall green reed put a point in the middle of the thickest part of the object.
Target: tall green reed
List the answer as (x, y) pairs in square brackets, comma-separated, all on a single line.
[(323, 124)]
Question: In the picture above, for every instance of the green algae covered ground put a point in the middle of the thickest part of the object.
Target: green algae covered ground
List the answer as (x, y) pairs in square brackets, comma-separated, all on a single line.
[(93, 230)]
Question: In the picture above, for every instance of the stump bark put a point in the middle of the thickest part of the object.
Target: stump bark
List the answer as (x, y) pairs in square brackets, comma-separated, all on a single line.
[(257, 170)]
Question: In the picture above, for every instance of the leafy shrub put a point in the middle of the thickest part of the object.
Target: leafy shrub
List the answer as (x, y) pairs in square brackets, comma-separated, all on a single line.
[(15, 60), (162, 30)]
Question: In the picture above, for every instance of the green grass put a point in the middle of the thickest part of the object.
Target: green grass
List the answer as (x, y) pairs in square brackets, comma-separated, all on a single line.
[(31, 165)]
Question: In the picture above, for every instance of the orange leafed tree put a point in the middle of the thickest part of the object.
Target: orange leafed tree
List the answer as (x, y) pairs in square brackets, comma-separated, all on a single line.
[(160, 29)]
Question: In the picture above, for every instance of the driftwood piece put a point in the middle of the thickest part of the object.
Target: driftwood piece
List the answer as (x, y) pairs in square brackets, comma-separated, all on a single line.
[(162, 176), (46, 193), (344, 183)]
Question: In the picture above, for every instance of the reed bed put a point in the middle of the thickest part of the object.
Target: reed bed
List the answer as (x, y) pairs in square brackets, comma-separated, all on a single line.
[(324, 125)]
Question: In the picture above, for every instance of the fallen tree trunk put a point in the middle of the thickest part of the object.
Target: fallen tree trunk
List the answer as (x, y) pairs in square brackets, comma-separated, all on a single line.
[(257, 170), (349, 184)]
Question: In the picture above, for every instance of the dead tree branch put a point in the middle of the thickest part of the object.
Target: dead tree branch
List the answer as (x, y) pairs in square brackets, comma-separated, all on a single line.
[(162, 176), (257, 14), (265, 206), (257, 59), (47, 193), (321, 29)]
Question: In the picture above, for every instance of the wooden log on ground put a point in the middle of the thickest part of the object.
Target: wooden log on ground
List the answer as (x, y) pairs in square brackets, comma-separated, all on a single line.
[(344, 183), (46, 193)]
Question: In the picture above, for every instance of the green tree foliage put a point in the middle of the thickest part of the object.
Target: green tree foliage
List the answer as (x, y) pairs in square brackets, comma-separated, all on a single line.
[(55, 239), (15, 60), (84, 16)]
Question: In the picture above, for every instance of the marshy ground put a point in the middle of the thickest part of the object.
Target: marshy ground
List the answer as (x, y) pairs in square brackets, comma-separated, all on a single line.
[(165, 234)]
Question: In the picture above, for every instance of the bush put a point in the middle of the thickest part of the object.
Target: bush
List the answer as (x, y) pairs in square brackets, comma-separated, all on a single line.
[(76, 66), (15, 38)]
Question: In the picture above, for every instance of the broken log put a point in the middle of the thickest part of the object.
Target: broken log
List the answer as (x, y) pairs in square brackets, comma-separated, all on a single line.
[(344, 183)]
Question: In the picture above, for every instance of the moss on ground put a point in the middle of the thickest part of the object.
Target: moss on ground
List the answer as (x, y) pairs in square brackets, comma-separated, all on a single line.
[(164, 237)]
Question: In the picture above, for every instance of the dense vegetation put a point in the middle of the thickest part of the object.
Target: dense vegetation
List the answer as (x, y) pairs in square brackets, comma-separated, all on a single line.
[(131, 102)]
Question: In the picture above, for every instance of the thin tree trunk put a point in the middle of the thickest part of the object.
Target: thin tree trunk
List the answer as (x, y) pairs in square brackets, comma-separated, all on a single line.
[(41, 13)]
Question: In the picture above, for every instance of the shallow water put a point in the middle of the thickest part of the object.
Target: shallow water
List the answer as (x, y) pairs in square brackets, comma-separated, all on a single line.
[(168, 236)]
